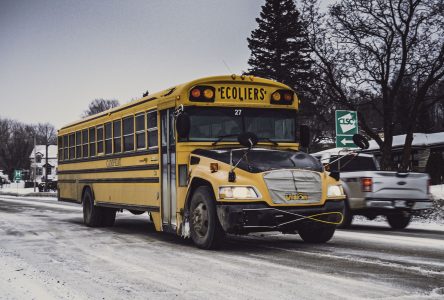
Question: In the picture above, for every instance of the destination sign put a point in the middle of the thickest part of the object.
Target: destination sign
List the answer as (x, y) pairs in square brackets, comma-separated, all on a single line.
[(241, 93)]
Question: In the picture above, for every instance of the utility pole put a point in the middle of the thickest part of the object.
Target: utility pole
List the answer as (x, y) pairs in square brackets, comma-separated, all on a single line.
[(35, 164), (46, 159)]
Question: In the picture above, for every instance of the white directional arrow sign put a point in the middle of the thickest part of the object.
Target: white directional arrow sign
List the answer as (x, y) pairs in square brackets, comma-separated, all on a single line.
[(345, 141)]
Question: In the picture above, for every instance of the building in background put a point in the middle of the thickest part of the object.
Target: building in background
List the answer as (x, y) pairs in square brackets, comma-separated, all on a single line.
[(38, 163)]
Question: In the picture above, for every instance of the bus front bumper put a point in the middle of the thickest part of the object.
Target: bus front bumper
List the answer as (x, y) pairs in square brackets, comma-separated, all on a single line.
[(245, 218)]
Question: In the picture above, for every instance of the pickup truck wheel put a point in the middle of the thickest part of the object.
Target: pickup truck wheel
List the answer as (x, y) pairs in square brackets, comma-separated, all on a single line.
[(348, 216), (92, 215), (317, 234), (399, 221), (206, 231)]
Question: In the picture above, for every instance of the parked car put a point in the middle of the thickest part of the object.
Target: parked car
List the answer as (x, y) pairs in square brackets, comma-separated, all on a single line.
[(371, 192), (50, 186)]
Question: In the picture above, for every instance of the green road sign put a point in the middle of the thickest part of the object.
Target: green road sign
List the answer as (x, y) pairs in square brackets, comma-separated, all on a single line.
[(346, 127), (17, 175)]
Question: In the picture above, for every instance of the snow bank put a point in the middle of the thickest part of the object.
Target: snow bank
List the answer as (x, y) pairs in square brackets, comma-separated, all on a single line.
[(28, 192), (436, 214)]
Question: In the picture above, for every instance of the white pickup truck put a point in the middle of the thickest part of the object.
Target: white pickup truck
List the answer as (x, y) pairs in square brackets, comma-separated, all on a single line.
[(371, 192)]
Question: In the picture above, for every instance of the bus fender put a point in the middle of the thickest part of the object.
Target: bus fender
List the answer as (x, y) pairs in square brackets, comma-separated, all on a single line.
[(195, 183)]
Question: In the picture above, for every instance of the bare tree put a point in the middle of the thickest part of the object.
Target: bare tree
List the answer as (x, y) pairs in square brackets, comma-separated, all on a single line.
[(366, 50), (98, 105), (16, 144)]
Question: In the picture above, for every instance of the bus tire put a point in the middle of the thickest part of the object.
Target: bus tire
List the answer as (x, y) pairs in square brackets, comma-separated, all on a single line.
[(108, 217), (317, 234), (92, 215), (348, 216), (399, 221), (206, 231)]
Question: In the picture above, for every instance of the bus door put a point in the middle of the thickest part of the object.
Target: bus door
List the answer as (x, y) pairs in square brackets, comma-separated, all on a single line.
[(168, 168)]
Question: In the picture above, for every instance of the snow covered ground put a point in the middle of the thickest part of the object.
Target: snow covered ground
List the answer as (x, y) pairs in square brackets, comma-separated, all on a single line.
[(47, 253)]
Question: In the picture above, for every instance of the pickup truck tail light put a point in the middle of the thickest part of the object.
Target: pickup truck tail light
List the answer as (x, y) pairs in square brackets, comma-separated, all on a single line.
[(366, 184)]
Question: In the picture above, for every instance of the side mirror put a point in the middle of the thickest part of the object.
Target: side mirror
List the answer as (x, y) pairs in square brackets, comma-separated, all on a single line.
[(304, 136), (183, 125), (360, 141), (247, 139)]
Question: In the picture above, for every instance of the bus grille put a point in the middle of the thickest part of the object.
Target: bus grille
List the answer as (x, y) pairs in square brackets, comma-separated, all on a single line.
[(294, 186)]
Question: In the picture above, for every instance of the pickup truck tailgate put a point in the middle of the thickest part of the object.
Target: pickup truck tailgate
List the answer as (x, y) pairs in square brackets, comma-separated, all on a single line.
[(399, 186)]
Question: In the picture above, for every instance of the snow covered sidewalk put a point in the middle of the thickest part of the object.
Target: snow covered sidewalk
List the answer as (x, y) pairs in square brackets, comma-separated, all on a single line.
[(25, 192)]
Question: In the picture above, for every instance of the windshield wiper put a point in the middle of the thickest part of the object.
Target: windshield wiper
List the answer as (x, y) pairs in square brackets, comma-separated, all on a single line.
[(221, 137)]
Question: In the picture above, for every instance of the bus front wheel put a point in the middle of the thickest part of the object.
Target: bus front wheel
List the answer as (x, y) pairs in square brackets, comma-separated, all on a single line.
[(206, 231), (321, 233)]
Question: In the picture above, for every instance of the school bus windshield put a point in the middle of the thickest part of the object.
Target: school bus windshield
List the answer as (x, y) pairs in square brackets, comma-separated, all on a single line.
[(209, 124)]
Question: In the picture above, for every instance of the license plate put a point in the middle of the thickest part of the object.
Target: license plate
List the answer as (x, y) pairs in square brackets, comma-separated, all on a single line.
[(296, 196)]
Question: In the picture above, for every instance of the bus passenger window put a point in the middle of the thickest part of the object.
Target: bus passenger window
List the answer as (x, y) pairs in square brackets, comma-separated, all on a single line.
[(128, 134), (99, 139), (92, 142), (65, 147), (85, 142), (60, 147), (78, 145), (117, 136), (72, 148), (151, 120), (140, 131), (108, 139)]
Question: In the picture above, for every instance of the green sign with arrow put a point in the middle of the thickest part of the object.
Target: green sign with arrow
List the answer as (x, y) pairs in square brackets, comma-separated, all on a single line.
[(346, 127)]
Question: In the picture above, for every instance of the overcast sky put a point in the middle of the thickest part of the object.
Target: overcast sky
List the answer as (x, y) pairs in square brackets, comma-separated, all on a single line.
[(58, 55)]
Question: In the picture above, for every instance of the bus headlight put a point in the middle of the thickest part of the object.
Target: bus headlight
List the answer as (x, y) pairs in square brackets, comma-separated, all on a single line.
[(335, 191), (238, 192)]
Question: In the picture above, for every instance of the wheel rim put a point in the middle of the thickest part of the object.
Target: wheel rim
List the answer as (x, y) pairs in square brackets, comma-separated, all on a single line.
[(200, 220)]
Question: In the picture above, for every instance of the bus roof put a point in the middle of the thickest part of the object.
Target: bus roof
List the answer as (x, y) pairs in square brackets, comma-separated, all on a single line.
[(180, 88)]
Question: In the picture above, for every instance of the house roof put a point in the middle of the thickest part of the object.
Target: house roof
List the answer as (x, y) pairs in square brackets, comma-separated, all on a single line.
[(52, 151), (419, 140)]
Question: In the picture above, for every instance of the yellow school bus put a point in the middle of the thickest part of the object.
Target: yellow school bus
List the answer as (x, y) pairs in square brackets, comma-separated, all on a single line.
[(212, 156)]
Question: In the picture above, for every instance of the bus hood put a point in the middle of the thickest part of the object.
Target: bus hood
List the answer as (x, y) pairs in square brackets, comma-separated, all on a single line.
[(261, 159)]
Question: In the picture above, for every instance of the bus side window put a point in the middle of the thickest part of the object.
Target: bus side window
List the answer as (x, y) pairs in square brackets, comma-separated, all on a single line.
[(117, 132), (151, 120), (140, 131), (108, 139), (65, 147), (72, 144), (128, 134), (92, 141), (85, 142), (78, 145), (60, 147), (100, 139)]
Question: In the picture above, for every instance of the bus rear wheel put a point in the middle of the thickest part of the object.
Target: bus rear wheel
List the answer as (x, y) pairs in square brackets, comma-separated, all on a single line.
[(206, 231), (92, 215), (108, 216)]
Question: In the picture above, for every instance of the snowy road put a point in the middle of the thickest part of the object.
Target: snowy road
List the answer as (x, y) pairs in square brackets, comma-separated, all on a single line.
[(46, 253)]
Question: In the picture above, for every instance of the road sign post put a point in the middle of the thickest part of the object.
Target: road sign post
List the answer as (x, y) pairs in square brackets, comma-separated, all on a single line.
[(346, 127)]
